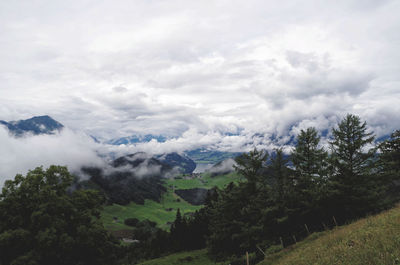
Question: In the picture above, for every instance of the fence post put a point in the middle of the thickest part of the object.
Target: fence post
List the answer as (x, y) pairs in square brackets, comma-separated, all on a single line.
[(247, 258), (265, 255), (308, 231), (280, 238), (294, 238), (334, 220)]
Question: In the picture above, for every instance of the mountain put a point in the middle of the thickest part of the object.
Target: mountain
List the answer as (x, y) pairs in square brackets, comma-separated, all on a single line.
[(133, 177), (36, 125), (183, 163), (142, 165), (134, 139)]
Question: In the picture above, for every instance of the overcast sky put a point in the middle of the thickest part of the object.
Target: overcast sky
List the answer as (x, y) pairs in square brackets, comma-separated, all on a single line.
[(113, 68)]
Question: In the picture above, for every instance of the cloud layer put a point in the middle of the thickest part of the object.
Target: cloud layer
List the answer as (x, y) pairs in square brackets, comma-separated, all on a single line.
[(200, 69), (18, 155)]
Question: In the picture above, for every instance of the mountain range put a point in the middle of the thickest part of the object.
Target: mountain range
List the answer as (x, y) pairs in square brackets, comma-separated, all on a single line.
[(134, 139), (36, 125)]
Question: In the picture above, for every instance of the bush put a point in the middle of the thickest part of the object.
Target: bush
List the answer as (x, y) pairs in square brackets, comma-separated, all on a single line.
[(131, 221)]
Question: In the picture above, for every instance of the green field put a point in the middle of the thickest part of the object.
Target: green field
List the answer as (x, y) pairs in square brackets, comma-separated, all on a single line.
[(157, 212), (373, 240), (206, 181)]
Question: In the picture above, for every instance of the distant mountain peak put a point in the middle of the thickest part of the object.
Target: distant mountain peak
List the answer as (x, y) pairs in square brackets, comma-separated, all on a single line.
[(35, 125), (134, 139)]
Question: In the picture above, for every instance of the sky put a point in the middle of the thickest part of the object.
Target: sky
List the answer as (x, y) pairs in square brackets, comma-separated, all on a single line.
[(200, 69)]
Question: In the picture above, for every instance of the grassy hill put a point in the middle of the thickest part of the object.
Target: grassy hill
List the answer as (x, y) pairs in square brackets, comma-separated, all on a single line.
[(165, 210), (373, 240)]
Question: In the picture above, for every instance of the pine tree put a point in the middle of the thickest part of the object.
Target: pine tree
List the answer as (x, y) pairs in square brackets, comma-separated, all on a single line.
[(178, 232), (310, 162), (236, 216), (250, 165), (281, 202), (390, 154), (280, 175), (309, 158), (390, 164), (354, 188)]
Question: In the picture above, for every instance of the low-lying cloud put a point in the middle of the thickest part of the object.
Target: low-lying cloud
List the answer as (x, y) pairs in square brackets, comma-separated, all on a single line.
[(223, 167), (67, 148)]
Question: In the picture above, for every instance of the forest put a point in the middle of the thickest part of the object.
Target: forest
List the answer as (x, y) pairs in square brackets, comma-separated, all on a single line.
[(45, 219)]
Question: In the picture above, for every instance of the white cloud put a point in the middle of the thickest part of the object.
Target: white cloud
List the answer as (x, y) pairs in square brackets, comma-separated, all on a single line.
[(198, 68), (18, 155)]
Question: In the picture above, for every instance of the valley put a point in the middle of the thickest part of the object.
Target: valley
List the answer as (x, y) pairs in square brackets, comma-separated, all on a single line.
[(164, 212)]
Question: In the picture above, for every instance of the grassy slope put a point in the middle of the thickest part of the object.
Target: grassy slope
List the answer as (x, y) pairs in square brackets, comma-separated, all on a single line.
[(206, 181), (373, 240), (155, 211)]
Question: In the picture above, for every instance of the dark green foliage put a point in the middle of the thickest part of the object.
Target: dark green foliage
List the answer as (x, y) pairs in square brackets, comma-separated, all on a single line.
[(122, 187), (236, 222), (354, 187), (250, 165), (131, 221), (152, 242), (390, 164), (310, 176), (178, 232), (43, 222), (390, 154), (309, 160), (195, 196)]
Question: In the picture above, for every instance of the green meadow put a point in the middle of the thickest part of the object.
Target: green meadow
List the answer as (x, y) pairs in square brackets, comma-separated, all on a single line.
[(165, 210)]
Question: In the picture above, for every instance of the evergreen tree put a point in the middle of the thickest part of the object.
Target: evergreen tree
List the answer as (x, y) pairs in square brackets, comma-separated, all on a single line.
[(235, 218), (310, 162), (178, 232), (250, 165), (390, 154), (309, 159), (354, 187), (282, 199), (280, 175), (390, 164)]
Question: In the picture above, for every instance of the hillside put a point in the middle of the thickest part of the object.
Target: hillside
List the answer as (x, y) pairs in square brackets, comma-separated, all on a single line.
[(373, 240)]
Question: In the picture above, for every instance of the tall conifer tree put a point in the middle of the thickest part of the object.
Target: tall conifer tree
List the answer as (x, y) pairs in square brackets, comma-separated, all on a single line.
[(354, 187), (390, 165), (310, 162)]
